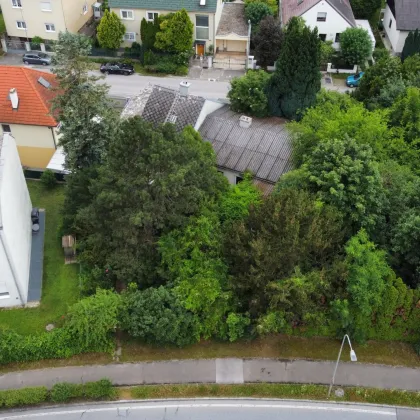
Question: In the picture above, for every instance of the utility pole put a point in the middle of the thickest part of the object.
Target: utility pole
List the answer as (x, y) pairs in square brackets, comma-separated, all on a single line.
[(248, 45)]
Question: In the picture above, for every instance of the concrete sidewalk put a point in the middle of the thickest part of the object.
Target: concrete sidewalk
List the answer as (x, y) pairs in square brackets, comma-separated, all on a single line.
[(222, 371)]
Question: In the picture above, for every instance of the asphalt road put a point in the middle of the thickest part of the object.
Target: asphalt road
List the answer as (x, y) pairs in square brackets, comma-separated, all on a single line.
[(217, 409)]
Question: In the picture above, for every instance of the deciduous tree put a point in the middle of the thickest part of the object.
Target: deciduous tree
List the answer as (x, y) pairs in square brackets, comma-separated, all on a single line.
[(110, 31), (297, 79), (355, 45), (268, 40), (365, 9), (256, 11)]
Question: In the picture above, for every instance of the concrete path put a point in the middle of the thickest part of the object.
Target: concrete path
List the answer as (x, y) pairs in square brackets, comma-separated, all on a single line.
[(222, 371)]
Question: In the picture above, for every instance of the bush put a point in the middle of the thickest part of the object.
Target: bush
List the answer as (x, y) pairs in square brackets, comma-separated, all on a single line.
[(417, 348), (150, 58), (25, 396), (64, 391), (48, 179), (99, 390)]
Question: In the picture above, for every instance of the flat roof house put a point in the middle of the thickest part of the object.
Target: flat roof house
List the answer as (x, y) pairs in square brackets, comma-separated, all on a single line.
[(15, 226), (25, 112)]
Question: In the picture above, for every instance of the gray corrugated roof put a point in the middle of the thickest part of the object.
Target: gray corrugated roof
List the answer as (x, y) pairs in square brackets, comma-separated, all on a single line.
[(233, 20), (264, 148), (158, 104), (406, 13), (189, 5), (291, 8)]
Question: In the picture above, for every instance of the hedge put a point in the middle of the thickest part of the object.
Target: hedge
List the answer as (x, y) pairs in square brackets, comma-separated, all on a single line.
[(60, 392)]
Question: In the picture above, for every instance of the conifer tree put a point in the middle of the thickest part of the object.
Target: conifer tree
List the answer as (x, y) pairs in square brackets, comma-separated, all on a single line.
[(412, 45)]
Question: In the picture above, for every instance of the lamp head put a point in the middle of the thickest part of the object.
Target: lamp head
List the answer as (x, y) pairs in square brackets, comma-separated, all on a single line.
[(353, 356)]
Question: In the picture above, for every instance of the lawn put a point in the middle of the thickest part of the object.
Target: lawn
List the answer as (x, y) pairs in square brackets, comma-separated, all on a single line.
[(60, 282)]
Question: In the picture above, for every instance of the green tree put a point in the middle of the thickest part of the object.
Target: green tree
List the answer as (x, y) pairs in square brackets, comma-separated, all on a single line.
[(344, 173), (256, 11), (290, 230), (156, 316), (110, 31), (91, 321), (355, 46), (365, 9), (366, 282), (272, 4), (268, 41), (148, 31), (176, 33), (193, 259), (411, 45), (297, 79), (327, 52), (153, 181), (248, 94), (411, 70)]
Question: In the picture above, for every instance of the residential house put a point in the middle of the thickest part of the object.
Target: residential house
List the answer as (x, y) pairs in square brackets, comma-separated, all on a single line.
[(15, 226), (332, 17), (261, 145), (45, 18), (25, 112), (401, 17), (201, 12)]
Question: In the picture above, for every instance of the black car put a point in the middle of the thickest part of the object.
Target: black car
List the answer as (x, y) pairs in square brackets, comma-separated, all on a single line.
[(37, 58), (117, 68)]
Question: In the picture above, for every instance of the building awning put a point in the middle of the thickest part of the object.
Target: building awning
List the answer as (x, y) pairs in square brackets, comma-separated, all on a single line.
[(197, 42), (57, 161)]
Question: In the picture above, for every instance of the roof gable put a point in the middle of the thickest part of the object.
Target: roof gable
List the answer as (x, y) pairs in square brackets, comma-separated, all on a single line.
[(172, 5), (34, 99), (292, 8)]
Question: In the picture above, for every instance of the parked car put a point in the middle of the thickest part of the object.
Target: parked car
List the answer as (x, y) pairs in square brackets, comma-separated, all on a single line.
[(37, 58), (354, 80), (117, 68)]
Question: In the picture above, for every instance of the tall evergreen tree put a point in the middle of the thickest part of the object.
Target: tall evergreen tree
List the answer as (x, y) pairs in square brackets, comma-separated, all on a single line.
[(148, 31), (411, 45), (297, 78)]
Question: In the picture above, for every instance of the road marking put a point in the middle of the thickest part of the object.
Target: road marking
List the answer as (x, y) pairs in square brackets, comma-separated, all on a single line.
[(209, 405)]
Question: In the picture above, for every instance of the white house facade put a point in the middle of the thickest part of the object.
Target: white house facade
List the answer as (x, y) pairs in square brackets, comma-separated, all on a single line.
[(400, 18), (15, 226)]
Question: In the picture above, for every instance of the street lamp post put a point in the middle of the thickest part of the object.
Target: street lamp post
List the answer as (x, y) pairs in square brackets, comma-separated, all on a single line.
[(353, 358)]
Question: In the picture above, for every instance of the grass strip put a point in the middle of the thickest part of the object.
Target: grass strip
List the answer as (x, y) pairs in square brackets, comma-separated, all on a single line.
[(263, 390)]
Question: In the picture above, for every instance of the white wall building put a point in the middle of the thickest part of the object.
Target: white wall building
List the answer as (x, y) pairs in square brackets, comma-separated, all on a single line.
[(15, 226), (400, 18)]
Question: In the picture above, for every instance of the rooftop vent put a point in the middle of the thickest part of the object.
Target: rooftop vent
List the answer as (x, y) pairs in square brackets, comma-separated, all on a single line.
[(245, 122), (44, 82), (172, 119), (184, 87), (14, 98)]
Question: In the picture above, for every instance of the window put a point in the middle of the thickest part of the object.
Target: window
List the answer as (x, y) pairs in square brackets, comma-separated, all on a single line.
[(127, 14), (337, 37), (85, 8), (50, 27), (46, 6), (130, 36), (6, 128), (16, 3), (4, 295), (323, 37), (151, 16), (21, 24), (390, 23), (201, 27), (321, 17)]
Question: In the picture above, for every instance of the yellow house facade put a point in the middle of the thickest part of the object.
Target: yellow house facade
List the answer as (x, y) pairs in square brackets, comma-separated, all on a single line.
[(45, 18)]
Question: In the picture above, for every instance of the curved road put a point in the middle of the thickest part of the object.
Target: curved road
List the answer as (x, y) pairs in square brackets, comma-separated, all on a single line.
[(246, 409)]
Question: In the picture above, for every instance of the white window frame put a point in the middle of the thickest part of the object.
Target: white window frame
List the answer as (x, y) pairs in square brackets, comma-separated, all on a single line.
[(321, 17), (204, 27), (127, 11), (85, 8), (129, 39), (24, 27), (17, 2), (46, 2), (154, 13), (50, 25)]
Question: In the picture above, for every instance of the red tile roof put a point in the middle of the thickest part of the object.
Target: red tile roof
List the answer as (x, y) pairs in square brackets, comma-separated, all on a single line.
[(34, 99)]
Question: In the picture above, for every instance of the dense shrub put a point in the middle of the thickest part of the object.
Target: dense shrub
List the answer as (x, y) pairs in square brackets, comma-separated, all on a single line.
[(48, 179), (25, 396), (101, 389), (64, 391)]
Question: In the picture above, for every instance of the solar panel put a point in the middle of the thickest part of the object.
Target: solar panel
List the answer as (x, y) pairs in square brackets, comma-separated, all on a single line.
[(44, 82)]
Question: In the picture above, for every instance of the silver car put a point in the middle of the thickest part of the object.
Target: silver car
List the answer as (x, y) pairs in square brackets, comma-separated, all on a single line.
[(37, 58)]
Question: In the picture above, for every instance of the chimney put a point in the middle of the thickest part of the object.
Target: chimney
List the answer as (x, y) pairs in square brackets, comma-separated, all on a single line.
[(14, 98), (184, 86), (245, 122)]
